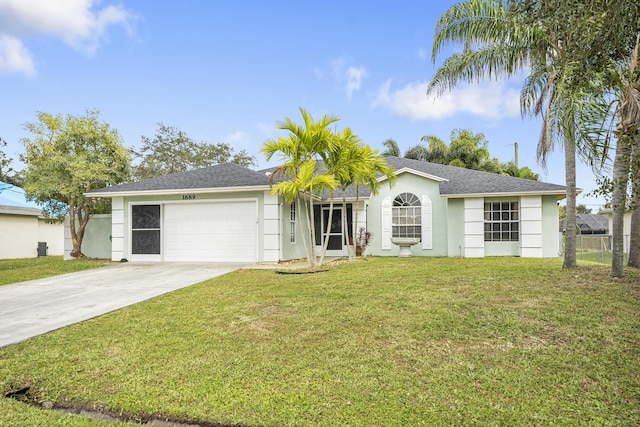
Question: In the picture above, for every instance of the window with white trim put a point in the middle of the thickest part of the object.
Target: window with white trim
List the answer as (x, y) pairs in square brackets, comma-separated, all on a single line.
[(406, 216), (292, 222), (501, 222)]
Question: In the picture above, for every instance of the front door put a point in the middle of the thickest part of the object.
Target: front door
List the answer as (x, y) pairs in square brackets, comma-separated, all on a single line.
[(335, 246), (334, 230)]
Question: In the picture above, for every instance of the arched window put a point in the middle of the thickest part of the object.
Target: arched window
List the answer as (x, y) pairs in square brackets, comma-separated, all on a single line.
[(406, 216)]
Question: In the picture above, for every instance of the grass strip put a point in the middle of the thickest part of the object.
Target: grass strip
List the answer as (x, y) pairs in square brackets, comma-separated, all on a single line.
[(20, 270)]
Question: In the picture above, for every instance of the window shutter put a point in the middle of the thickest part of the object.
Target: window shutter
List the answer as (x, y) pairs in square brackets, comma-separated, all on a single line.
[(386, 224), (427, 227)]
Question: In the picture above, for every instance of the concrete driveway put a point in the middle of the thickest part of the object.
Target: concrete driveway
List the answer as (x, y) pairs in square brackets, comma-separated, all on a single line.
[(38, 306)]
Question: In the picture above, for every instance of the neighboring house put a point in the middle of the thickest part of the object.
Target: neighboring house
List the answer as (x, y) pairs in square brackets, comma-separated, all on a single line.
[(227, 213), (626, 228), (592, 223), (23, 231)]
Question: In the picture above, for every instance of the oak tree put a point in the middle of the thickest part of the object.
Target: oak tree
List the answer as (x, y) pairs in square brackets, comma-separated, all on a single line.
[(171, 150), (67, 157)]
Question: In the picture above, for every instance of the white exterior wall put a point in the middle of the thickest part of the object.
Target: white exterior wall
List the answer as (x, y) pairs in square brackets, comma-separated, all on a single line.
[(19, 236), (626, 229), (271, 234), (385, 241), (117, 228), (361, 209), (473, 228), (531, 226), (53, 235)]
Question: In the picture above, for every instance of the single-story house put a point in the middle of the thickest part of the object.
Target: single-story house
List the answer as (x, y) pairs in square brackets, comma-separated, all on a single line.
[(24, 233), (228, 213)]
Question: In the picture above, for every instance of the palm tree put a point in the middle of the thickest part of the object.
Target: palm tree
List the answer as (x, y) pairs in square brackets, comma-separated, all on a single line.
[(470, 149), (498, 43), (354, 164), (340, 162), (417, 152), (368, 170), (298, 152), (438, 151), (392, 148), (625, 84), (613, 108), (634, 241)]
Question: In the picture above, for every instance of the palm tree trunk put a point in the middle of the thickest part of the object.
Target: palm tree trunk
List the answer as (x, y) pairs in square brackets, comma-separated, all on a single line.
[(634, 239), (300, 204), (311, 252), (345, 232), (570, 177), (355, 223), (328, 231), (618, 202)]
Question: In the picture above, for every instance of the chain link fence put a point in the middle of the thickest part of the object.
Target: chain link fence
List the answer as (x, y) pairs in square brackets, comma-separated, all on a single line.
[(596, 247)]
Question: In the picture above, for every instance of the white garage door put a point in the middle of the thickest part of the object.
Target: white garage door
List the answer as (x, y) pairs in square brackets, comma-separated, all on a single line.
[(210, 232)]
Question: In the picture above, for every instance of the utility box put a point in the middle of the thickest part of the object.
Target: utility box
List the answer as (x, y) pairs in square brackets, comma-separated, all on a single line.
[(42, 249)]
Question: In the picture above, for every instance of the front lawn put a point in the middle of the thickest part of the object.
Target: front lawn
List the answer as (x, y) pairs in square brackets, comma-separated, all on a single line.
[(382, 342), (20, 270)]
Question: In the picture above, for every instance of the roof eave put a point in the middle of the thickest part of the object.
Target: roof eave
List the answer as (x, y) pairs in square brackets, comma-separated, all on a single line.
[(560, 193), (16, 210), (350, 199), (172, 192), (414, 172)]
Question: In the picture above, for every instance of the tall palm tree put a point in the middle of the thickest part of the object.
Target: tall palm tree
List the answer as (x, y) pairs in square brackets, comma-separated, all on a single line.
[(634, 241), (298, 151), (613, 108), (624, 80), (498, 43)]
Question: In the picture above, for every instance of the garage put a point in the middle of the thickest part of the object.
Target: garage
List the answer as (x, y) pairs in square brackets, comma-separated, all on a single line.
[(223, 231)]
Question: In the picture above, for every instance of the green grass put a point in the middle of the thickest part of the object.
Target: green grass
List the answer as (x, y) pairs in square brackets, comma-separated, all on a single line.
[(383, 342), (601, 257), (19, 270)]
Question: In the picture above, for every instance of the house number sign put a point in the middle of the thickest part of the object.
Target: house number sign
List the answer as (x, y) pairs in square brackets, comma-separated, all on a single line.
[(188, 196)]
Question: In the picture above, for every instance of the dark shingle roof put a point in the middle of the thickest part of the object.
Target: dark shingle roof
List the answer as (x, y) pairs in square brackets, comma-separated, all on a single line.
[(461, 181), (455, 180), (218, 176), (592, 223)]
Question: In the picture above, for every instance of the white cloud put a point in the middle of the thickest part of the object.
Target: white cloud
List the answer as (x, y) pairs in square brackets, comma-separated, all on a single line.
[(422, 54), (349, 75), (354, 79), (14, 57), (235, 139), (81, 24), (489, 100), (266, 129), (337, 67)]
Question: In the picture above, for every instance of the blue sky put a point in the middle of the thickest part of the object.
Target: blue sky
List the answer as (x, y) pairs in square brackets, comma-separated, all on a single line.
[(226, 71)]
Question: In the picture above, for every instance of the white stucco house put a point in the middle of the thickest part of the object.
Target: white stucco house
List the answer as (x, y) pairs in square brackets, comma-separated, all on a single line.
[(227, 213), (24, 233)]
